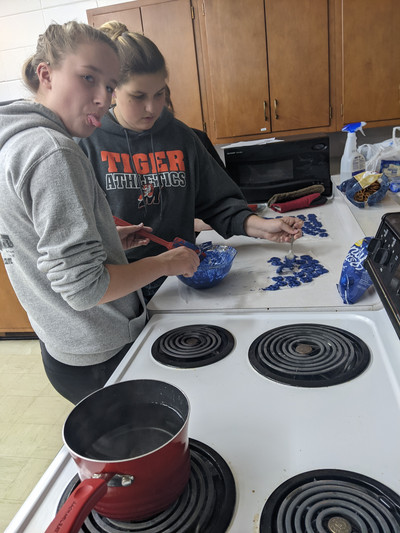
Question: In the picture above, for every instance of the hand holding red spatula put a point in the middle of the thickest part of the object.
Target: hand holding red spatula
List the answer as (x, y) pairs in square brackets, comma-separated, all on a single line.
[(169, 245)]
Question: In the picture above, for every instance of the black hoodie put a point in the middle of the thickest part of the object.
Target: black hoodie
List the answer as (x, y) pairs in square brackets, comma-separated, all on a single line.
[(164, 177)]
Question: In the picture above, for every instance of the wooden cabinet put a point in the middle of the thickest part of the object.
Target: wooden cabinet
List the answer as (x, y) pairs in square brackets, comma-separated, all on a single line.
[(240, 69), (369, 59), (298, 63), (235, 61), (169, 23), (129, 15), (13, 318), (260, 68), (267, 66)]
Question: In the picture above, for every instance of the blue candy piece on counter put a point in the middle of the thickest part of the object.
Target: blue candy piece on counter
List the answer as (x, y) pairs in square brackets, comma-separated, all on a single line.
[(301, 269), (311, 225), (275, 261), (275, 287)]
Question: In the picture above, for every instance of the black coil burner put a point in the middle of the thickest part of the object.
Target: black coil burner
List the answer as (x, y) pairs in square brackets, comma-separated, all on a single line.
[(193, 346), (331, 501), (206, 505), (309, 355)]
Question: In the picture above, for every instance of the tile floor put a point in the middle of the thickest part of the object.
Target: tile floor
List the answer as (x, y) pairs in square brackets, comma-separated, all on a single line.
[(32, 414)]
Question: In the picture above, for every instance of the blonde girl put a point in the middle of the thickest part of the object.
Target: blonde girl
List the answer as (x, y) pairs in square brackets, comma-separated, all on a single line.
[(62, 251)]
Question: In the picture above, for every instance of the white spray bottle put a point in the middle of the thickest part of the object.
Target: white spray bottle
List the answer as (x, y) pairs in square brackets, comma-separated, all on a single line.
[(352, 161)]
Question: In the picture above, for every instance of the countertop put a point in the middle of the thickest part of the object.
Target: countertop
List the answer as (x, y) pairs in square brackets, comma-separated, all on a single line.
[(251, 272)]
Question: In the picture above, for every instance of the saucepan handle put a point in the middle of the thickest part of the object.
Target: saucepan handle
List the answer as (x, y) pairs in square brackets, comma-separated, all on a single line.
[(75, 510)]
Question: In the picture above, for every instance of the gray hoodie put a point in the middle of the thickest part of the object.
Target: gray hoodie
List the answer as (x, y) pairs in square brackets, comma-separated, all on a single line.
[(56, 235)]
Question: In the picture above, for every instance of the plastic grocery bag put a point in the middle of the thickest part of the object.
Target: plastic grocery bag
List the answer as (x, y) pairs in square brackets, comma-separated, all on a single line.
[(383, 157), (370, 151)]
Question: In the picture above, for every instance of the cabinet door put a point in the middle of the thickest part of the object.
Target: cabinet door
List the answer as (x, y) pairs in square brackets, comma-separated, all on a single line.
[(169, 25), (236, 64), (371, 60), (13, 317), (130, 17), (298, 59)]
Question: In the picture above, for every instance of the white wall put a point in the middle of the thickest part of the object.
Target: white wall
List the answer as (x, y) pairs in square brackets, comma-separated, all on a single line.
[(21, 22)]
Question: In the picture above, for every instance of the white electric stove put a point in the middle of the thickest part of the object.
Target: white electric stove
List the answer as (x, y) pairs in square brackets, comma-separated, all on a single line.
[(295, 409), (336, 417)]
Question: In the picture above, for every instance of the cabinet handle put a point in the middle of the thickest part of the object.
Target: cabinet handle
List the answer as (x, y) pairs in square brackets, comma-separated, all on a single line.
[(275, 108), (265, 111)]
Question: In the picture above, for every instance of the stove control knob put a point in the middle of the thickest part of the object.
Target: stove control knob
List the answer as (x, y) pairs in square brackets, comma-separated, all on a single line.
[(374, 245), (382, 256), (395, 285)]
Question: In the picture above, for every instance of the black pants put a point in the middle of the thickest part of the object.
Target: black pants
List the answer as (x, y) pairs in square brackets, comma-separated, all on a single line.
[(76, 382)]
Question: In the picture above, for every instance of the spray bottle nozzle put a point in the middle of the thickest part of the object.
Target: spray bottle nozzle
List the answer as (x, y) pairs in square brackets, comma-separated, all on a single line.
[(354, 126)]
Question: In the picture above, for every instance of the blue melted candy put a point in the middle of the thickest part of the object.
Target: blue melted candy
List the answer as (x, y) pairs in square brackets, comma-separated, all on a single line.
[(213, 268), (294, 272)]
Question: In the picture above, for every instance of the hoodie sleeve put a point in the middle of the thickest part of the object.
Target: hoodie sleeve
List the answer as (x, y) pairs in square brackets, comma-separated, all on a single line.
[(59, 193), (219, 201)]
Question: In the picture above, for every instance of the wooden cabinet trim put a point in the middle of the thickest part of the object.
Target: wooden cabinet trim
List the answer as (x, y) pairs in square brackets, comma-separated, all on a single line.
[(13, 317)]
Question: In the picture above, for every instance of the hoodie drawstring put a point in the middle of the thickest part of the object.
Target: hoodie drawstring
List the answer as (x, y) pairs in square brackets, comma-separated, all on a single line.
[(158, 177), (132, 162), (140, 175)]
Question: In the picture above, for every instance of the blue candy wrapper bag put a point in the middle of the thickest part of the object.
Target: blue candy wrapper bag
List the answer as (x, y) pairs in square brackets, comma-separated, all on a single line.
[(354, 279)]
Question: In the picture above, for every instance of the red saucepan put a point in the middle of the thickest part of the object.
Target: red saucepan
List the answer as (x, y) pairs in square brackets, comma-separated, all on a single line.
[(130, 443)]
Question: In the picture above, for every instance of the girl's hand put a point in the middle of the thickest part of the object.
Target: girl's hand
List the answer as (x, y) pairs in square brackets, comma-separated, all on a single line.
[(200, 225), (130, 277), (179, 261), (128, 236), (274, 229)]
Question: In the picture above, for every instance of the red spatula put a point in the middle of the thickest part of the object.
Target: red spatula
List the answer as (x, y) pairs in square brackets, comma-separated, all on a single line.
[(169, 245)]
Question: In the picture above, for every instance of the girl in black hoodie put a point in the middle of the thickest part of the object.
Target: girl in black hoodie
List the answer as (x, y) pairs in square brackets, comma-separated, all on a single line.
[(154, 169)]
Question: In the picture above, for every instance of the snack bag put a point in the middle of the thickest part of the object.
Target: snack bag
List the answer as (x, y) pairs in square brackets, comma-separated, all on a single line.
[(365, 188), (354, 280), (391, 169)]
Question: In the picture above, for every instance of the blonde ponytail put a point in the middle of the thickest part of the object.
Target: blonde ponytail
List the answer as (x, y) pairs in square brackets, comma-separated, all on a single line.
[(55, 43), (137, 53)]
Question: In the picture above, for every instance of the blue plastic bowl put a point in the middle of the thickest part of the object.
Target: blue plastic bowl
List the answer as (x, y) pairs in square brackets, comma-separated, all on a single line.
[(213, 268)]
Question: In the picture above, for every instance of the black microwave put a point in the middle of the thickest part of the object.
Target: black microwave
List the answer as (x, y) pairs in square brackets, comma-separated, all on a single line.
[(262, 170)]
